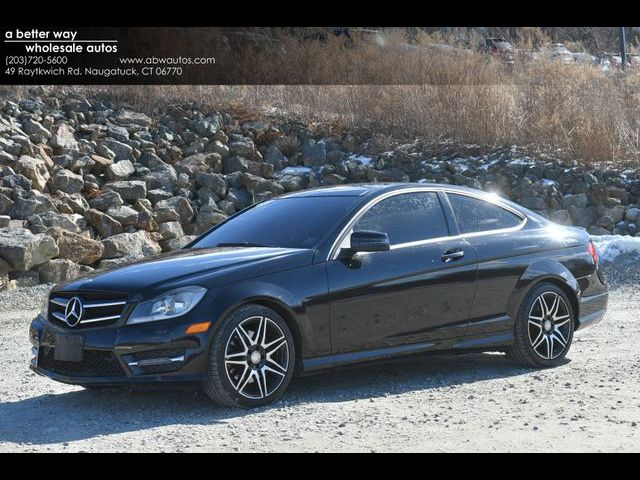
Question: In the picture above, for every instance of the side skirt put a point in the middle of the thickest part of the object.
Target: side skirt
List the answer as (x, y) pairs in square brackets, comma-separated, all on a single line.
[(453, 345)]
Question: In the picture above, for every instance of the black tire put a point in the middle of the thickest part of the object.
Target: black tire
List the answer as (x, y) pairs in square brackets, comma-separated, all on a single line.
[(527, 350), (219, 386)]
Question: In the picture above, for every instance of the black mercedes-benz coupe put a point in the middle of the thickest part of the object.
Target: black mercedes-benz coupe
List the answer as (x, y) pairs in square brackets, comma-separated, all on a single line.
[(323, 278)]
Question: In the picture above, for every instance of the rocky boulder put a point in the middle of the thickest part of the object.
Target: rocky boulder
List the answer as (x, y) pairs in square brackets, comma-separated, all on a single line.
[(5, 268), (121, 150), (35, 169), (209, 216), (136, 245), (105, 225), (66, 181), (75, 247), (120, 170), (33, 202), (127, 216), (6, 204), (179, 205), (62, 139), (58, 270), (130, 191), (170, 230), (177, 243), (200, 162), (22, 249), (106, 200)]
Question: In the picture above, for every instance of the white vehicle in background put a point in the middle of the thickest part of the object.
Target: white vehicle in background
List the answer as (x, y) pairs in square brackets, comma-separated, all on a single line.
[(559, 52), (584, 58)]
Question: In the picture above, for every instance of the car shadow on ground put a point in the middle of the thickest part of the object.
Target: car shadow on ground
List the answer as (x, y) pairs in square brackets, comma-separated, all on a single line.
[(81, 414)]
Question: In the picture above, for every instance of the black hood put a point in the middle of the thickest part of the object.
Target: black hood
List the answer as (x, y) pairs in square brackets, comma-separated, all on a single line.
[(206, 267)]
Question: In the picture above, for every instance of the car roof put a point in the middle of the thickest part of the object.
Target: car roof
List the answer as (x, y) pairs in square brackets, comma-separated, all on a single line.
[(372, 189)]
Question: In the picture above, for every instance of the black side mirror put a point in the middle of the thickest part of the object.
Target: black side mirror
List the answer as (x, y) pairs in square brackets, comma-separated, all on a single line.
[(369, 241)]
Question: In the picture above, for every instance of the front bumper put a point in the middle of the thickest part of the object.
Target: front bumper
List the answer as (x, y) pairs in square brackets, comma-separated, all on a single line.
[(157, 352)]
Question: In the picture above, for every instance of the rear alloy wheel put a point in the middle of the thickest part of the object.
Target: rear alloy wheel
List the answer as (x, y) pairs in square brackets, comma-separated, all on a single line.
[(549, 325), (544, 327), (252, 358)]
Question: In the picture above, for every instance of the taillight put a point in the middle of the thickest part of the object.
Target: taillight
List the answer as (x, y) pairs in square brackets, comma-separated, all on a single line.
[(593, 252)]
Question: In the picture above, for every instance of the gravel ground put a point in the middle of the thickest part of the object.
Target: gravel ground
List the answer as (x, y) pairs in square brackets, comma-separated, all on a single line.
[(473, 402)]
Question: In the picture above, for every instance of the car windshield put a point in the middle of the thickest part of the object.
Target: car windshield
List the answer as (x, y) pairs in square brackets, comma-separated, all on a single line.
[(295, 222)]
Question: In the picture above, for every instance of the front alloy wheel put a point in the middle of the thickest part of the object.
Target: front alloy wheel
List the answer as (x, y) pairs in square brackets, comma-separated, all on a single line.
[(544, 327), (252, 358), (256, 357)]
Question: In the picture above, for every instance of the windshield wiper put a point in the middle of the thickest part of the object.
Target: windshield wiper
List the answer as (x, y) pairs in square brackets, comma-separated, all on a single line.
[(240, 244)]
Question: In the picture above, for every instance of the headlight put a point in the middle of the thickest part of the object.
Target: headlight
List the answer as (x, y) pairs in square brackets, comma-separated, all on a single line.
[(168, 305)]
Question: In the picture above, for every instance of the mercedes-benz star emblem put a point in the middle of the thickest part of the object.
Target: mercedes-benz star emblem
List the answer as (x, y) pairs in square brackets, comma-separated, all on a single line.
[(73, 312)]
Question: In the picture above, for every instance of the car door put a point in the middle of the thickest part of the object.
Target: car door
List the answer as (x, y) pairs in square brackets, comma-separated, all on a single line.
[(502, 247), (418, 291)]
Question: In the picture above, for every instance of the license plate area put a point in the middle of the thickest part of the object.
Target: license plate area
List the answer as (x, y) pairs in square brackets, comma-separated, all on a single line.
[(68, 348)]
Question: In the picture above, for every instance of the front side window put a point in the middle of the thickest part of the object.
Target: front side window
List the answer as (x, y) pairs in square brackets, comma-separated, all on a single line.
[(476, 215), (406, 217)]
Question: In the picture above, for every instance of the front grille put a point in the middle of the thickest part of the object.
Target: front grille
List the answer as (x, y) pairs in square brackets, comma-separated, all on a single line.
[(95, 363), (97, 308)]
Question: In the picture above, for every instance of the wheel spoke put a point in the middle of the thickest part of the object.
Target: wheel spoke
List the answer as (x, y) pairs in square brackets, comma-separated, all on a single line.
[(235, 362), (542, 308), (548, 310), (275, 345), (560, 337), (281, 370), (549, 346), (535, 323), (244, 379), (261, 382), (545, 305), (555, 306), (538, 341), (231, 356), (244, 337), (261, 334)]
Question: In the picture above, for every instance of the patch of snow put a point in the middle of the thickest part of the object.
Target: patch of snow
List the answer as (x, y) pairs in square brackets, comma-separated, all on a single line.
[(361, 158), (609, 247), (548, 183), (295, 171), (486, 166), (522, 161)]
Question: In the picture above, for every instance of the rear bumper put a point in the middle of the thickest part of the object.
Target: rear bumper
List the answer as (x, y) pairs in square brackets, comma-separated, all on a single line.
[(592, 309)]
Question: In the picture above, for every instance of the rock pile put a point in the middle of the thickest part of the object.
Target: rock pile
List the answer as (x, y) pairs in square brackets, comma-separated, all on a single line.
[(87, 184)]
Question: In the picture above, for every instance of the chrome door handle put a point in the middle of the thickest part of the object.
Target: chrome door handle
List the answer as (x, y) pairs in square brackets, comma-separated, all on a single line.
[(450, 256)]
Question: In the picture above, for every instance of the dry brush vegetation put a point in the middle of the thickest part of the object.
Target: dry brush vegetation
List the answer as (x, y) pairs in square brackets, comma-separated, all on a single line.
[(576, 111)]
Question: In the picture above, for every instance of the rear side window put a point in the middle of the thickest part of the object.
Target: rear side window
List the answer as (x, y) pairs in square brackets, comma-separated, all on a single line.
[(406, 217), (475, 215)]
